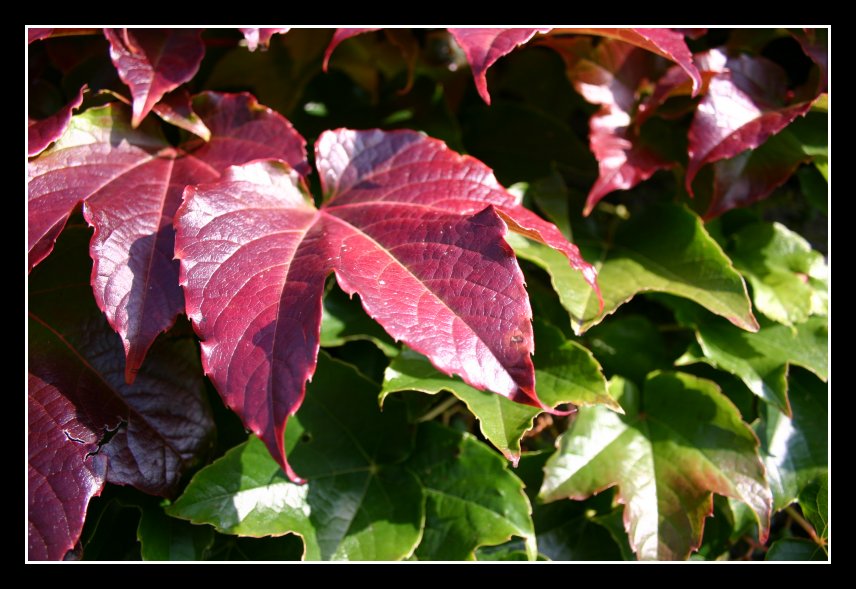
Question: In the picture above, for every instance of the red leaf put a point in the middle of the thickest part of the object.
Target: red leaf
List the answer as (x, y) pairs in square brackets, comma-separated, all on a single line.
[(76, 395), (339, 36), (664, 42), (413, 227), (131, 182), (261, 37), (483, 47), (37, 34), (176, 108), (43, 132), (609, 75), (745, 104), (154, 61)]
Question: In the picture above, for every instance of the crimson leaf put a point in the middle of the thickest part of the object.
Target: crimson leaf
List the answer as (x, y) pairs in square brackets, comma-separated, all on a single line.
[(746, 103), (260, 37), (609, 75), (339, 36), (76, 395), (43, 132), (413, 227), (154, 61), (37, 34), (664, 42), (131, 181), (483, 47)]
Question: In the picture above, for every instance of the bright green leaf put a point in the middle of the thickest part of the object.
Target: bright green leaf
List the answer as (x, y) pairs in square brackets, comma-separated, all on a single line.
[(759, 359), (680, 441), (358, 504), (798, 549), (788, 278), (471, 498), (664, 248), (166, 538), (565, 372), (795, 449)]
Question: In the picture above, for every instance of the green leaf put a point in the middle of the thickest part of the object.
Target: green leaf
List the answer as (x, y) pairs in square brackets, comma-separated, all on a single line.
[(359, 504), (680, 441), (568, 530), (812, 131), (613, 523), (795, 450), (166, 538), (503, 554), (344, 320), (471, 498), (665, 248), (814, 502), (788, 278), (565, 372), (795, 549), (236, 548), (759, 359), (629, 345)]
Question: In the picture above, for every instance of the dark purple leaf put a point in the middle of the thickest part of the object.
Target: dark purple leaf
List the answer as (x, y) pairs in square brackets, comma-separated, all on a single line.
[(153, 62), (815, 43), (77, 395), (339, 36), (483, 47), (664, 42), (609, 75), (37, 34), (43, 132), (413, 227), (132, 182), (746, 103), (261, 37)]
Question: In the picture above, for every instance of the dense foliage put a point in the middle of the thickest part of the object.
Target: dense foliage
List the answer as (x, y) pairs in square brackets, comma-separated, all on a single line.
[(408, 262)]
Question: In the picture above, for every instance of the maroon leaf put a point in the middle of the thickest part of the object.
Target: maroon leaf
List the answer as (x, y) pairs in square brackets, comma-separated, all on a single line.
[(77, 395), (815, 44), (754, 174), (176, 108), (745, 104), (339, 36), (37, 34), (132, 181), (43, 132), (154, 61), (413, 227), (261, 37), (63, 470), (609, 75), (664, 42), (483, 47)]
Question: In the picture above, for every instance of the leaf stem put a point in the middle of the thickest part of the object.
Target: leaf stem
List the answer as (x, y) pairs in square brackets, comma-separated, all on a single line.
[(438, 409), (805, 525)]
